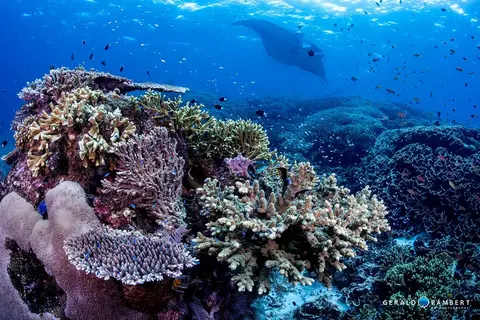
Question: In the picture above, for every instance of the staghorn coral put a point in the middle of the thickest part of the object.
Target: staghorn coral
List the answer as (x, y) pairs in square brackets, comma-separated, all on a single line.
[(190, 119), (301, 228), (128, 256), (149, 177)]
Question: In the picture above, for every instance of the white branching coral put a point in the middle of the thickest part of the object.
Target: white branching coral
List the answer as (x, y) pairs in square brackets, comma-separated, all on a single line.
[(310, 226)]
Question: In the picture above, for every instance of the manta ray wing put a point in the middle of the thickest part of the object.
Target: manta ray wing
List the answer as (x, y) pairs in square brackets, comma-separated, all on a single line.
[(287, 47)]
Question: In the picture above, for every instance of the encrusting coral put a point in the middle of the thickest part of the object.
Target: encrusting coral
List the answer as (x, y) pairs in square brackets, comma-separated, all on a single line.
[(305, 227)]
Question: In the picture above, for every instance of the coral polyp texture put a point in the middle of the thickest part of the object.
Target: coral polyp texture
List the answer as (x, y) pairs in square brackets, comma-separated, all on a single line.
[(128, 256), (305, 227)]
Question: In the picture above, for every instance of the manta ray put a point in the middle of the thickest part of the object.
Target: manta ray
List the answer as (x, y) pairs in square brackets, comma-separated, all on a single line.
[(286, 46)]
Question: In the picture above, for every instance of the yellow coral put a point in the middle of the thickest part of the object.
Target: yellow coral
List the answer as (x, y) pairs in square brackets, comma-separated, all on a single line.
[(74, 111)]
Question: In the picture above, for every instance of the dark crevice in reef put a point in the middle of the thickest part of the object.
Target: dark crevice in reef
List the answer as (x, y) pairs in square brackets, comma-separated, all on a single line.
[(37, 288)]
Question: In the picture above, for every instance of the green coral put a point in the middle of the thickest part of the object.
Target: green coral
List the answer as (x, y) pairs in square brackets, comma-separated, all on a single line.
[(205, 134), (302, 227), (229, 138), (430, 276)]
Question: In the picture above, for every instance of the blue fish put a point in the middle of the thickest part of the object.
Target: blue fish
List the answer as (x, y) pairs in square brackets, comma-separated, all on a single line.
[(42, 208), (133, 206)]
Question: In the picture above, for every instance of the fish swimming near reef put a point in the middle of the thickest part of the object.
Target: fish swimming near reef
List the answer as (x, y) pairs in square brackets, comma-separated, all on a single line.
[(286, 46)]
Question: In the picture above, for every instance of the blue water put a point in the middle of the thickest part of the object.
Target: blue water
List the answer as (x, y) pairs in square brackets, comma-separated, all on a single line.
[(428, 53), (193, 44)]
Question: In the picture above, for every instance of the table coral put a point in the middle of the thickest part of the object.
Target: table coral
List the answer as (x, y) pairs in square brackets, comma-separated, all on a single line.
[(128, 256), (305, 227)]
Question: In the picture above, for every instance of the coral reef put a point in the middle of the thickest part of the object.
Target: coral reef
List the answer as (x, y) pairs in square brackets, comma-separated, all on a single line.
[(145, 207), (302, 228), (429, 177)]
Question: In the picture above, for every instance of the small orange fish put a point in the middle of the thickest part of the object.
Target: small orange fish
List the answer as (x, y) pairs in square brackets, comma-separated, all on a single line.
[(401, 115)]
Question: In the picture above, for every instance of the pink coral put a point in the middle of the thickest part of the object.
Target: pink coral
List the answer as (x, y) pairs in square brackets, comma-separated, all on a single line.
[(239, 165)]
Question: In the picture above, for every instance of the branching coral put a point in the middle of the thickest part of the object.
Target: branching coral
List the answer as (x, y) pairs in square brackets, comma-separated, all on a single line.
[(301, 228), (190, 119), (149, 177), (128, 256), (230, 138), (206, 135), (79, 113)]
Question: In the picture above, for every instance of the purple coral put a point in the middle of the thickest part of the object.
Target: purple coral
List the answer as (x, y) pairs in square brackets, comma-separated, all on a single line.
[(34, 92), (149, 177), (128, 256), (429, 179), (239, 165)]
